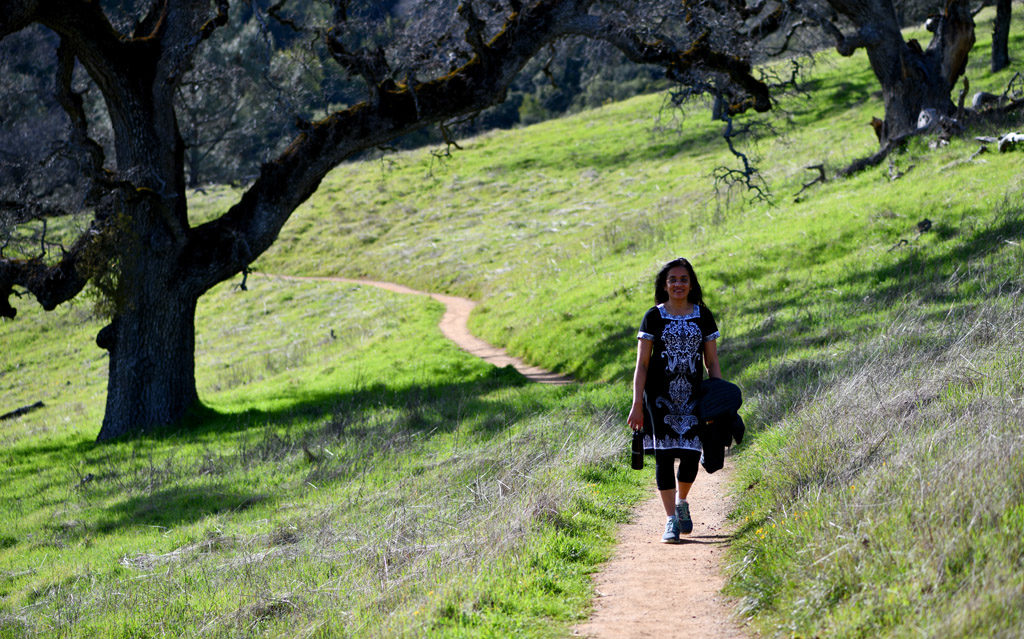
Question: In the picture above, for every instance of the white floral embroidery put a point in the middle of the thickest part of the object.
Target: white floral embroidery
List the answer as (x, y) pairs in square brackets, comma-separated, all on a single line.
[(682, 347), (682, 353)]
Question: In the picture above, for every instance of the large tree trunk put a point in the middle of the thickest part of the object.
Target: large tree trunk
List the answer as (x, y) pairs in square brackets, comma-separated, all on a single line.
[(151, 381), (1001, 36), (151, 340), (912, 78)]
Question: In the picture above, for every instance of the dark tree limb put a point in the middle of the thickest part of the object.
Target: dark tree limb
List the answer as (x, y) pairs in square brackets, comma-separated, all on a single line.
[(73, 106), (875, 158), (24, 410), (50, 285), (820, 168), (219, 249)]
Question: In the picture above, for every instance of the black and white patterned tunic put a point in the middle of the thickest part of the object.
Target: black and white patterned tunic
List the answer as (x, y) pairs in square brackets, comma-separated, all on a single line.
[(675, 370)]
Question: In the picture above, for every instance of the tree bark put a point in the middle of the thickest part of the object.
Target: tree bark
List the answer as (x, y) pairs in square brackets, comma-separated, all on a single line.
[(912, 78), (151, 377), (151, 339), (1001, 36), (161, 265)]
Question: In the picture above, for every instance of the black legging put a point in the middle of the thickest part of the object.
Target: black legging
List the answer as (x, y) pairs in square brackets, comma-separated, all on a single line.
[(664, 464)]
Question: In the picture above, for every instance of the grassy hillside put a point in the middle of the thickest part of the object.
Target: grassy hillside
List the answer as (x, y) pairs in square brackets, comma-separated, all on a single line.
[(351, 473)]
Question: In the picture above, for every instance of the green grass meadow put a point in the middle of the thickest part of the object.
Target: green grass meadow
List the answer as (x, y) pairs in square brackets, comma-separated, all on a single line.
[(351, 473)]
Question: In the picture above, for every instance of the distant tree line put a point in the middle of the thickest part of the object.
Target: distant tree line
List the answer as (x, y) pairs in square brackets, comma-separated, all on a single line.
[(267, 71)]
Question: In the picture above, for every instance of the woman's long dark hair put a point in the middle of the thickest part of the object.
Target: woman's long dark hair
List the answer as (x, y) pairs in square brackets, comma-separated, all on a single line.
[(696, 296)]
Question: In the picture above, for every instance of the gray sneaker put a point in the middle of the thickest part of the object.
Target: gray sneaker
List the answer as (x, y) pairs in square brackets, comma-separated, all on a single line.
[(683, 516), (671, 535)]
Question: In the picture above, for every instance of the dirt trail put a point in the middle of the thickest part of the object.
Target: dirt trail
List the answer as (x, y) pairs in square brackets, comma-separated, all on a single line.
[(454, 326), (651, 589), (648, 589)]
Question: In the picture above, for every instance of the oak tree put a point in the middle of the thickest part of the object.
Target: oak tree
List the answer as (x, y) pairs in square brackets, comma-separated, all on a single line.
[(913, 77), (133, 56)]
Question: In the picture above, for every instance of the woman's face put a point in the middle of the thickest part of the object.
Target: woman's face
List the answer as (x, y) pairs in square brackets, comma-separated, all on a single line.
[(677, 284)]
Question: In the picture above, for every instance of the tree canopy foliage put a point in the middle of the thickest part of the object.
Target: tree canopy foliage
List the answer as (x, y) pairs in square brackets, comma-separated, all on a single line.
[(127, 65), (117, 105)]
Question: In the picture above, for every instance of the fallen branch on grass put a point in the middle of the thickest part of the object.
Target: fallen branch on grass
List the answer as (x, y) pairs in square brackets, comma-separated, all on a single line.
[(21, 411), (820, 168)]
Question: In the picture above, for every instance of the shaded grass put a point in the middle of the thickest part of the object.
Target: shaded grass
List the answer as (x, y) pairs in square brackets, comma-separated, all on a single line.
[(373, 499), (353, 474)]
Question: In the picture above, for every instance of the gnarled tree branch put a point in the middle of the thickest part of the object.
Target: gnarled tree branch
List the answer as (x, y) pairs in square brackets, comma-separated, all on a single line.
[(221, 248)]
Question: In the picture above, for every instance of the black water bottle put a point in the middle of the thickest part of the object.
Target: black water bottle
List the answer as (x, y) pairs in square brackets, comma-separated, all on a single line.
[(637, 461)]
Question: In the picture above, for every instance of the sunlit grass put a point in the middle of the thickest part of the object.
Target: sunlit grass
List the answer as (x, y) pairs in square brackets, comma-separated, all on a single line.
[(353, 474)]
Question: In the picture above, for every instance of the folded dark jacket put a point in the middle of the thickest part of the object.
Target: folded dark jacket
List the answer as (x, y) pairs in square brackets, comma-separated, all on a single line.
[(719, 422), (718, 397)]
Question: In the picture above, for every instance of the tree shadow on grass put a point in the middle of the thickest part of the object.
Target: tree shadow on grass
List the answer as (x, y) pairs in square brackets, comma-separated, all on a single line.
[(926, 273), (176, 506), (437, 407), (149, 481)]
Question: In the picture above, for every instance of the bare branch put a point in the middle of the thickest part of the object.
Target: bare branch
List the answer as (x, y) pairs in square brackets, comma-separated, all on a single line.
[(820, 168), (748, 176), (1014, 87)]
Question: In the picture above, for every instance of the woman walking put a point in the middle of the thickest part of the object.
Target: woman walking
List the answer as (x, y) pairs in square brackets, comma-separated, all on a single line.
[(675, 344)]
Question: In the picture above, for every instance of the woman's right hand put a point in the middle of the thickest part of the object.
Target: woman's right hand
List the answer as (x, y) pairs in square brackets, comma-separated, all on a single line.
[(643, 358), (636, 417)]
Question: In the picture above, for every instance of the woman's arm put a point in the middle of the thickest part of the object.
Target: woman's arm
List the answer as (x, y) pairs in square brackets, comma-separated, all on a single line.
[(711, 359), (643, 359)]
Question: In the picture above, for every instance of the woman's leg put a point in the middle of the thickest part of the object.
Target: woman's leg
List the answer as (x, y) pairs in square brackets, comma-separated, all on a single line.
[(682, 490), (689, 460), (664, 475), (668, 500)]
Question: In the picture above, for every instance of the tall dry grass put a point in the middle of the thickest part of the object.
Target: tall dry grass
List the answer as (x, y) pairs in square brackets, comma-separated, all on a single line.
[(399, 552), (892, 502)]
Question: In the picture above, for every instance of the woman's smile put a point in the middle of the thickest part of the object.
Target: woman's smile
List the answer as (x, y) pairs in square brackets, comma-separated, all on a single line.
[(677, 284)]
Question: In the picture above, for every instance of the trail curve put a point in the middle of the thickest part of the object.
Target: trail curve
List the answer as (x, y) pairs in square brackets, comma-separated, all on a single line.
[(453, 325), (647, 589)]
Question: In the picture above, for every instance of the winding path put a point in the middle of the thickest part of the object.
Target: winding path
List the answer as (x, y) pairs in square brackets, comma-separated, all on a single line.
[(647, 589), (454, 326)]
